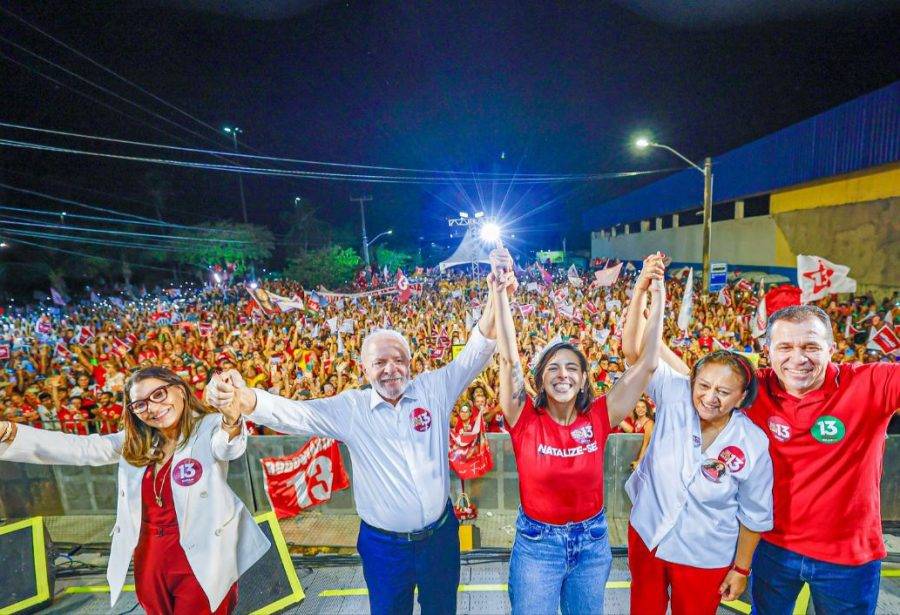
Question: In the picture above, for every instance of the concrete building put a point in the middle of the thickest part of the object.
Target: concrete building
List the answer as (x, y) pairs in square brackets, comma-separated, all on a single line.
[(828, 186)]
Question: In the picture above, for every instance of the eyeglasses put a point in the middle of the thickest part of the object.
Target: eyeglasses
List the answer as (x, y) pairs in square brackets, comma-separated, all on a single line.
[(157, 395)]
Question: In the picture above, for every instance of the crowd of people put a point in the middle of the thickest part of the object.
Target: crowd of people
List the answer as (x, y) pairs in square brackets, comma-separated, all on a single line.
[(745, 472), (67, 366)]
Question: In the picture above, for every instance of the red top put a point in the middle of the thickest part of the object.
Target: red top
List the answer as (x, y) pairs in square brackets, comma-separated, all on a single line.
[(634, 426), (560, 468), (151, 512), (827, 453)]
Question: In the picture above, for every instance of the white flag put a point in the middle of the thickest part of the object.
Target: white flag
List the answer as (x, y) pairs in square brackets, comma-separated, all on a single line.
[(574, 279), (606, 277), (687, 303), (760, 320), (818, 277)]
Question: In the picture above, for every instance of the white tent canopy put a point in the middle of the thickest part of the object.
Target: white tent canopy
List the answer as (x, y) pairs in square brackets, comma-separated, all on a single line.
[(470, 250)]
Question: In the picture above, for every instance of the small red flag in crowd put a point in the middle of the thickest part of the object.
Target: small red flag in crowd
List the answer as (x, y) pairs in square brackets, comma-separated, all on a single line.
[(883, 339)]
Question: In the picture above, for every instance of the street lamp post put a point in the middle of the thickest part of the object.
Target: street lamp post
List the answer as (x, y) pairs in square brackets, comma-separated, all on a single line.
[(706, 171), (362, 200), (379, 236), (234, 131)]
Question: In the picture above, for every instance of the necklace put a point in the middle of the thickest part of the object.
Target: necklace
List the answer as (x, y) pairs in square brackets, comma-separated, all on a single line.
[(158, 495)]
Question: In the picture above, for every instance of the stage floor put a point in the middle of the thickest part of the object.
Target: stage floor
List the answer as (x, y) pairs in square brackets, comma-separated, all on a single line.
[(339, 590)]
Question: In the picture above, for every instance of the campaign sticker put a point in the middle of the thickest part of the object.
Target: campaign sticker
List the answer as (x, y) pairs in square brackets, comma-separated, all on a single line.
[(583, 435), (733, 458), (780, 429), (421, 419), (713, 470), (187, 472), (828, 429)]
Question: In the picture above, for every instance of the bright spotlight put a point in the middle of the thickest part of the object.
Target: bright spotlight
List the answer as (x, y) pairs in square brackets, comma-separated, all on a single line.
[(463, 214), (490, 232), (479, 214), (642, 142), (254, 285), (217, 278)]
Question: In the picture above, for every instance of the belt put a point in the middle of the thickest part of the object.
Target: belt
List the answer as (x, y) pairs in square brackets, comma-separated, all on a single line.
[(418, 535)]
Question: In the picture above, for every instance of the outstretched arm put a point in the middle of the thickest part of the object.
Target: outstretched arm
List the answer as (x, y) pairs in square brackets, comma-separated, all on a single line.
[(628, 389), (636, 321), (512, 376)]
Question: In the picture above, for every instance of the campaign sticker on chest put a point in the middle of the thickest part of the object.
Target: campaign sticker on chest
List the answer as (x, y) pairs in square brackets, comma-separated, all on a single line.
[(584, 435), (713, 470), (421, 419), (733, 458), (187, 472), (828, 429), (779, 428)]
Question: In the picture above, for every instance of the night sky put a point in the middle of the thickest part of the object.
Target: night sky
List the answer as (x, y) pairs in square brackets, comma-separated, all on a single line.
[(538, 87)]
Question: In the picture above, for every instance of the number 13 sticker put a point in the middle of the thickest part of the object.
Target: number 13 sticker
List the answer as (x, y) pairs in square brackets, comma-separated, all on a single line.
[(828, 429)]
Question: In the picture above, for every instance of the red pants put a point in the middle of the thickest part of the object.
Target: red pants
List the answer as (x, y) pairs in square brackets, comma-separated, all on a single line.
[(164, 581), (694, 591)]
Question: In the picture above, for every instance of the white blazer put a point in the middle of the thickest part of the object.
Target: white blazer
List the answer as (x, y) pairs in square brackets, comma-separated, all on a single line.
[(218, 533)]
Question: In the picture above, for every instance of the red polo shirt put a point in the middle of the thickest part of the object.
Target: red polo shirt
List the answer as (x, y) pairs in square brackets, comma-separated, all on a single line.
[(827, 451)]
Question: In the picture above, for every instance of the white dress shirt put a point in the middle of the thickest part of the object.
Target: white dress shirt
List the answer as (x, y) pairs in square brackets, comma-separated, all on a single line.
[(401, 475), (690, 515)]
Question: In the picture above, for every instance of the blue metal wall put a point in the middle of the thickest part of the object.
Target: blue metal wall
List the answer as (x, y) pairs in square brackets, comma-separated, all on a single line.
[(857, 135)]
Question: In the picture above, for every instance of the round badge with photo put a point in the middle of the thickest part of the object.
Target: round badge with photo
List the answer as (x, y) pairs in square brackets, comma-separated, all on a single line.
[(713, 470)]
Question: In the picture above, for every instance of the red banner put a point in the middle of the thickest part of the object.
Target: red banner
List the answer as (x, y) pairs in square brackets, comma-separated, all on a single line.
[(470, 452), (305, 478)]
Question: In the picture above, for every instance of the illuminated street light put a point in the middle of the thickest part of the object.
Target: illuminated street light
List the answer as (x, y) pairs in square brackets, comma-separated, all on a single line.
[(379, 236), (706, 171)]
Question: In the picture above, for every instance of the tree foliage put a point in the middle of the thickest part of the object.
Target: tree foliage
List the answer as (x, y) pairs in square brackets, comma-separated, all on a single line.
[(240, 244), (392, 259), (331, 267)]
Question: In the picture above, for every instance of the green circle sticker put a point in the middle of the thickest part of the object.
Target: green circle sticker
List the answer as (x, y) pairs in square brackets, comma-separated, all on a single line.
[(828, 429)]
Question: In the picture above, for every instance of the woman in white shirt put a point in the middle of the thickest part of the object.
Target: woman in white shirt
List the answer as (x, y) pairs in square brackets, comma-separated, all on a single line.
[(190, 535), (703, 492)]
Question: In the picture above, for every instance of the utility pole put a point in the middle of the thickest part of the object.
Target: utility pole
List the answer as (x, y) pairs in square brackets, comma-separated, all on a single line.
[(707, 219), (362, 200), (234, 131)]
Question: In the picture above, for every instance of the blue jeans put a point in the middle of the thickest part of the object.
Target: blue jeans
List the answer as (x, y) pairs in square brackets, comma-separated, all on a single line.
[(559, 566), (778, 575), (394, 566)]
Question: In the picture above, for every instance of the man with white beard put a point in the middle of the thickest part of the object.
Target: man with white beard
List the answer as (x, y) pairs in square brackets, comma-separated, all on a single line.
[(398, 437)]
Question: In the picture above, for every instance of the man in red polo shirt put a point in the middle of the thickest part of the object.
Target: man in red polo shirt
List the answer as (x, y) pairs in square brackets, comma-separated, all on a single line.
[(827, 424)]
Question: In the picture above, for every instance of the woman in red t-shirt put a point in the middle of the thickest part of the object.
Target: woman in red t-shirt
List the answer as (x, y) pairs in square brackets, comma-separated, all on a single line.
[(561, 556)]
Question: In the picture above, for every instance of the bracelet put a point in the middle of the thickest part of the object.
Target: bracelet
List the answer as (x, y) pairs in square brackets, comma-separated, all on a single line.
[(232, 425), (739, 570), (6, 432)]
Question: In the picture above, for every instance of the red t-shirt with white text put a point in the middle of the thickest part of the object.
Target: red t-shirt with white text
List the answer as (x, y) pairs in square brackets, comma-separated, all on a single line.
[(560, 467), (827, 454)]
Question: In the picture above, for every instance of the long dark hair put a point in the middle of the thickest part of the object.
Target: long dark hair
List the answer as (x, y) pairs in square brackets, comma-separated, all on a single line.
[(585, 395), (141, 446), (739, 364)]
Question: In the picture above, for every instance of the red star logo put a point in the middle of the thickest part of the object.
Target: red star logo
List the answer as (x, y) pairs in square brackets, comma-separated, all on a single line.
[(821, 277)]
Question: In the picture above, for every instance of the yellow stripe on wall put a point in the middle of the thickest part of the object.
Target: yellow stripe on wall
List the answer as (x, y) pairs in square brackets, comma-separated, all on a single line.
[(855, 188)]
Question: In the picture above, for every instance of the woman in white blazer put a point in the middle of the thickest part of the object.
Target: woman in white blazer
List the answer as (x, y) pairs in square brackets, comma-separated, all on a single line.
[(190, 535)]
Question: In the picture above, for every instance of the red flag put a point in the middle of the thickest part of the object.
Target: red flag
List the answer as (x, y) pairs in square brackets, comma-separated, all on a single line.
[(120, 346), (205, 328), (526, 309), (313, 306), (403, 287), (305, 478), (591, 308), (849, 329), (782, 296), (470, 453), (4, 352), (744, 285), (85, 335), (545, 276), (44, 326), (442, 340), (884, 339), (725, 297), (62, 351)]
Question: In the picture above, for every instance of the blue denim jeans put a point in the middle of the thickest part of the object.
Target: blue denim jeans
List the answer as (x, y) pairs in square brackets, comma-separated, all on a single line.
[(559, 566), (778, 575)]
